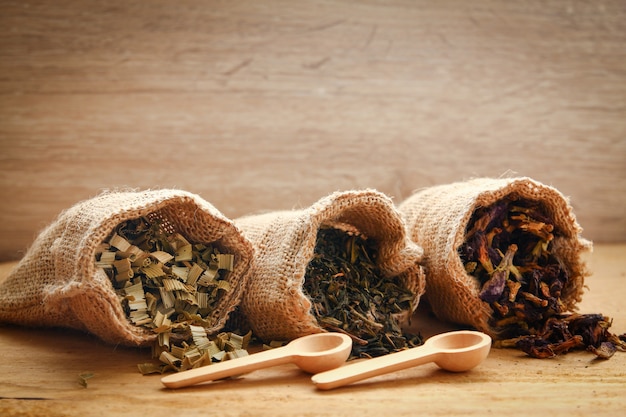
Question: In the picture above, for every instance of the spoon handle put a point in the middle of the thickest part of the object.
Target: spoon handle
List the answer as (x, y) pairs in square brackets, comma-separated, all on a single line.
[(229, 368), (373, 367)]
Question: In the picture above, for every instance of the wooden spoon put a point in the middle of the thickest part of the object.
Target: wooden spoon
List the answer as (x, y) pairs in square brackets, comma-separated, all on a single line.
[(453, 351), (313, 353)]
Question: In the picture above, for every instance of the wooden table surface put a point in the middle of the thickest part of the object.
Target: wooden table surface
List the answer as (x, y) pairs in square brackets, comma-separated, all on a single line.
[(40, 368)]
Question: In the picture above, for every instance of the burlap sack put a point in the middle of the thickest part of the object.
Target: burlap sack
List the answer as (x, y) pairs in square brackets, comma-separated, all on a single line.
[(437, 218), (58, 284), (274, 304)]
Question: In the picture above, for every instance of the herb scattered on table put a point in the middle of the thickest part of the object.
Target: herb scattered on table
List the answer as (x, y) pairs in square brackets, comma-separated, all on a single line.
[(84, 378), (571, 331), (350, 294), (200, 351)]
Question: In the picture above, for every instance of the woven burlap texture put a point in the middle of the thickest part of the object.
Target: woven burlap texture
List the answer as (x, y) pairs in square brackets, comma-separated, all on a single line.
[(437, 219), (274, 304), (57, 282)]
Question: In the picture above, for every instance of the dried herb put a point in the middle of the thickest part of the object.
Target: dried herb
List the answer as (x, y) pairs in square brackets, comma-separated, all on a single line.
[(350, 294), (571, 331), (508, 249), (168, 285), (84, 378), (200, 350)]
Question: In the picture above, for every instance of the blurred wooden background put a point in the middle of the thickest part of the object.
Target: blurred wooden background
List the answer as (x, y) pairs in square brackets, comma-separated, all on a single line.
[(261, 105)]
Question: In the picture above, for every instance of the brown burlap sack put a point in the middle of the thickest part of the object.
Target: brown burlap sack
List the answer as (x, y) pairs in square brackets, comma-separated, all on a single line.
[(274, 303), (437, 218), (58, 284)]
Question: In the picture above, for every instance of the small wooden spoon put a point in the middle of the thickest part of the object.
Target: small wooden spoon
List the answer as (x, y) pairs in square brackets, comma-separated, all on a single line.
[(453, 351), (313, 353)]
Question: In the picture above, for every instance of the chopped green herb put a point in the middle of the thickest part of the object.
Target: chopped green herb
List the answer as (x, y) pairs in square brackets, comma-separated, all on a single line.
[(168, 285)]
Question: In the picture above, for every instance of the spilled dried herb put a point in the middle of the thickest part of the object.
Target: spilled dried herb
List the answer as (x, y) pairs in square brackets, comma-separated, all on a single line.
[(508, 249), (350, 294), (570, 331), (84, 378), (199, 351), (168, 285)]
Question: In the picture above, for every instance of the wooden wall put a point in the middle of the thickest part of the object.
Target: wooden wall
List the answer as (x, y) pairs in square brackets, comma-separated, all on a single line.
[(259, 105)]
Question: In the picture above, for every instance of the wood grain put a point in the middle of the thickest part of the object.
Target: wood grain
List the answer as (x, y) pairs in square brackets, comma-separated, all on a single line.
[(40, 368), (268, 105)]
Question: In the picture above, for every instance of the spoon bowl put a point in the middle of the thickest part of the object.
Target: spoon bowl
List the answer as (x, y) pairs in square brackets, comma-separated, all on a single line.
[(460, 351), (453, 351), (313, 353), (321, 352)]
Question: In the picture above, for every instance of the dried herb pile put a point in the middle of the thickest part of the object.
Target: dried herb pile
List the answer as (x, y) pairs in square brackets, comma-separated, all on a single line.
[(199, 351), (350, 295), (564, 332), (171, 286), (508, 249)]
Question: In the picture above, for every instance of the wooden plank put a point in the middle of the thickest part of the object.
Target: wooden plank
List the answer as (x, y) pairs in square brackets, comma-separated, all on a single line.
[(268, 105)]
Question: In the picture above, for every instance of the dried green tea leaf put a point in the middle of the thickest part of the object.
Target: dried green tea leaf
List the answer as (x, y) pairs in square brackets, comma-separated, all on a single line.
[(350, 294)]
